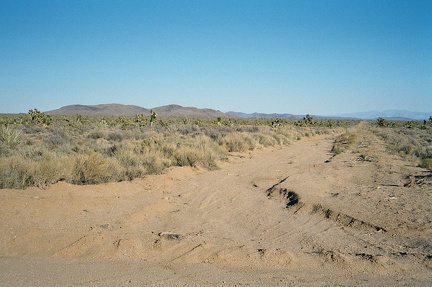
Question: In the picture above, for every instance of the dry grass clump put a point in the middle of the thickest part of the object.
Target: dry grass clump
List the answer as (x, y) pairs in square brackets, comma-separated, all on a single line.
[(93, 168), (344, 142), (410, 142), (426, 163), (14, 172), (92, 150), (19, 172), (201, 152), (238, 142)]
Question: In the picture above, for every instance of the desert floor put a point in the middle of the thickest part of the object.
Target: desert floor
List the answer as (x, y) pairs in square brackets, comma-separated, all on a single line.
[(287, 216)]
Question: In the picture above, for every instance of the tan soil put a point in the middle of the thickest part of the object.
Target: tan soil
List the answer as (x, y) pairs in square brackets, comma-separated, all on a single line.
[(361, 218)]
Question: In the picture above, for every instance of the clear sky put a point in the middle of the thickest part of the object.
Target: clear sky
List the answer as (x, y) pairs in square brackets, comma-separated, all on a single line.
[(319, 57)]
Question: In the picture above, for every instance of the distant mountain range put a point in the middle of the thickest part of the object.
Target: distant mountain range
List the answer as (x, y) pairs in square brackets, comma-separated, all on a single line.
[(396, 115), (179, 111), (390, 115), (131, 110), (100, 110), (263, 115)]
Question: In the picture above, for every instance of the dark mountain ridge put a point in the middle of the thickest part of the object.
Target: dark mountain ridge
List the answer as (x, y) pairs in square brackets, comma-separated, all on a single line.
[(100, 110), (131, 110)]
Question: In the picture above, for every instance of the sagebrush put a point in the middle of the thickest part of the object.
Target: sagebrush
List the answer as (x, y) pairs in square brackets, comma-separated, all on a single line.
[(91, 150)]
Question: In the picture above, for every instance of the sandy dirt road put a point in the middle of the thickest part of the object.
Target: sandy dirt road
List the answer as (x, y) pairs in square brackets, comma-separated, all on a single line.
[(291, 216)]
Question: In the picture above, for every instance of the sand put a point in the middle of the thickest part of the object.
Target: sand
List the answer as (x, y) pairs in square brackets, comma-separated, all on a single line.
[(286, 216)]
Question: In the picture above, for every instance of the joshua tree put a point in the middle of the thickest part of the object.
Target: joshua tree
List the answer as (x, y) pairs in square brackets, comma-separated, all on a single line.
[(153, 117), (140, 120), (308, 119), (381, 122), (39, 117)]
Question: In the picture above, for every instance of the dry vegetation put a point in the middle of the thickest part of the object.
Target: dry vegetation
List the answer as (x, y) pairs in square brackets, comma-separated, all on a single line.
[(411, 140), (344, 142), (38, 150)]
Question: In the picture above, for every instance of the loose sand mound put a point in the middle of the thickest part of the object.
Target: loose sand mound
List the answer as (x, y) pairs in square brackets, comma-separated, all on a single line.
[(294, 216)]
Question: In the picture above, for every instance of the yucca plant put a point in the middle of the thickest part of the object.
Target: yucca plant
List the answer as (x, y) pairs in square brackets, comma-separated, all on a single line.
[(10, 137)]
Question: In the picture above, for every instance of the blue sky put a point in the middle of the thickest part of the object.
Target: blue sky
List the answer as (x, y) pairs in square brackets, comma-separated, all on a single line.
[(318, 57)]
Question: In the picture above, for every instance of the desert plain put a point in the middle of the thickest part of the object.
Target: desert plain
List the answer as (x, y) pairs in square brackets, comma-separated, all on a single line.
[(296, 215)]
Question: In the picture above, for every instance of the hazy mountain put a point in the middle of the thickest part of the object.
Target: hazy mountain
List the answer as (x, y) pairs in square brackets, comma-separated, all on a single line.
[(179, 111), (396, 115), (389, 114), (263, 115), (131, 110)]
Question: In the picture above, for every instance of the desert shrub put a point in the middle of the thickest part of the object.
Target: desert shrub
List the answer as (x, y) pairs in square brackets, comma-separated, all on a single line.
[(103, 146), (14, 172), (132, 165), (343, 142), (290, 132), (21, 172), (203, 152), (5, 151), (33, 129), (56, 139), (10, 136), (426, 163), (96, 135), (281, 139), (238, 142), (89, 150), (216, 133), (34, 151), (156, 163), (111, 150), (115, 137), (137, 164), (247, 129), (410, 140), (265, 140), (187, 156), (49, 170), (272, 136), (93, 168), (132, 172), (187, 129)]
